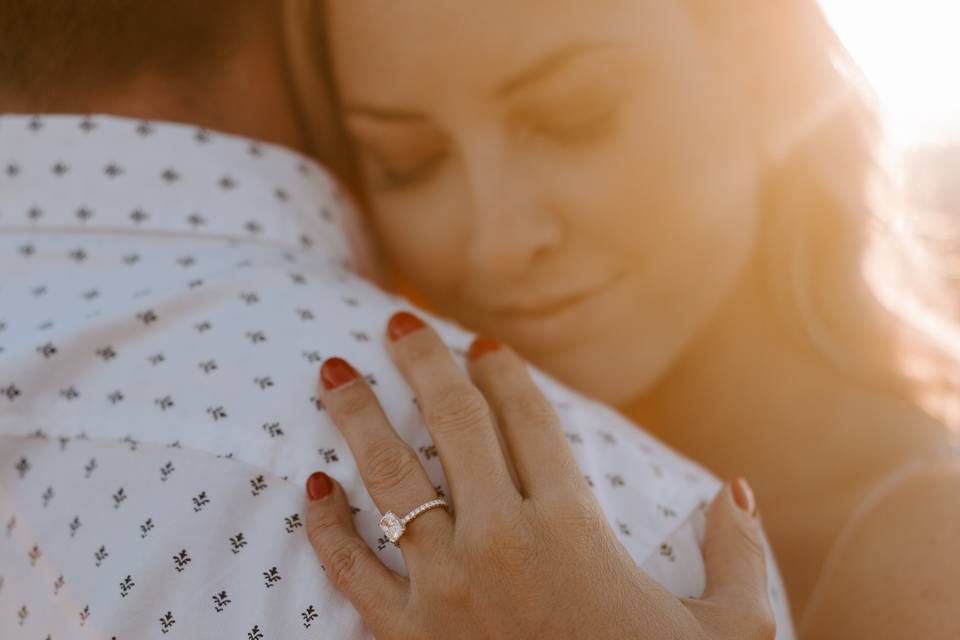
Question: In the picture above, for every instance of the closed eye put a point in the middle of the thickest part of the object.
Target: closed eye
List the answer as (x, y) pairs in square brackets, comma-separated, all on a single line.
[(393, 178), (581, 130), (397, 155)]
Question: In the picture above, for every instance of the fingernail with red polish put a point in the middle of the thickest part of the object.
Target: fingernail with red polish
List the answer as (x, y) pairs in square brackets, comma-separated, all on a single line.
[(336, 372), (403, 323), (318, 485), (482, 346), (743, 496)]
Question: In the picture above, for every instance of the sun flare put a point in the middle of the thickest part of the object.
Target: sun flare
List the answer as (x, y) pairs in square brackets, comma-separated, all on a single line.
[(909, 50)]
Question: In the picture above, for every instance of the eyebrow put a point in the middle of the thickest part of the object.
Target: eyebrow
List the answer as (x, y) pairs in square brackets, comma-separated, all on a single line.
[(537, 71), (548, 65), (382, 113)]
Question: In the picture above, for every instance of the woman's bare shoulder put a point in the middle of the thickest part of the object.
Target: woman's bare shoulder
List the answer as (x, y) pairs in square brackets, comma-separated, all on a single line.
[(894, 572)]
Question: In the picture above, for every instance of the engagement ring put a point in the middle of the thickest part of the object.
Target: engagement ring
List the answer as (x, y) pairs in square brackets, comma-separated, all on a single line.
[(393, 525)]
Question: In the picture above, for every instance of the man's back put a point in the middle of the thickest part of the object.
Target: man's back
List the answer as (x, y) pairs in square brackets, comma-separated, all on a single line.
[(167, 297)]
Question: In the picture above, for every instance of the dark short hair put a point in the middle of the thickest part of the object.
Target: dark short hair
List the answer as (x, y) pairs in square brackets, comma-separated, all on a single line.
[(90, 45)]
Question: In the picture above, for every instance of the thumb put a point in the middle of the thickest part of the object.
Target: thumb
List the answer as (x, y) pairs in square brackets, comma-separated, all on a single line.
[(735, 560)]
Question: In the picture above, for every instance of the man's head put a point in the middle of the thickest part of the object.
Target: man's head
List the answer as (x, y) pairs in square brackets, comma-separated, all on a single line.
[(215, 63), (96, 45)]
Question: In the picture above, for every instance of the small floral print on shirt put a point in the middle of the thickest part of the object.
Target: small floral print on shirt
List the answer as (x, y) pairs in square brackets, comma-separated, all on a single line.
[(167, 295)]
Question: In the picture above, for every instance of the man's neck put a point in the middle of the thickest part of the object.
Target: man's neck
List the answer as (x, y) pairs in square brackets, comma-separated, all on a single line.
[(250, 97)]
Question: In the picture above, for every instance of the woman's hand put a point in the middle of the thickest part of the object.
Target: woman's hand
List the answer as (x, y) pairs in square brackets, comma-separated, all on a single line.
[(527, 552)]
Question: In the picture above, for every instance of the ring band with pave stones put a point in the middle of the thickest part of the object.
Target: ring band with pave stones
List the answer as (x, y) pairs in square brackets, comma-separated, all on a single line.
[(393, 525)]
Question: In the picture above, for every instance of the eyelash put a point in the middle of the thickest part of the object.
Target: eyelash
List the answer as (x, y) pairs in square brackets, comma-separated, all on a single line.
[(399, 180), (579, 134)]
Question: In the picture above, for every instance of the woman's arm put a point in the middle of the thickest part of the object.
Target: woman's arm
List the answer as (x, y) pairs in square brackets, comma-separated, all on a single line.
[(896, 574)]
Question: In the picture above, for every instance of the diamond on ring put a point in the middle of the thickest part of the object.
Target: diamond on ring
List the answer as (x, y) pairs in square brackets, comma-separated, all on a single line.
[(393, 525)]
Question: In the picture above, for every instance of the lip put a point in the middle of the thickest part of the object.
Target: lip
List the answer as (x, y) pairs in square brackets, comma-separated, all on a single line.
[(558, 305)]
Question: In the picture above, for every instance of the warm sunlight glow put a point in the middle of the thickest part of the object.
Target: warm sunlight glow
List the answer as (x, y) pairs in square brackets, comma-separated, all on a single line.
[(910, 50)]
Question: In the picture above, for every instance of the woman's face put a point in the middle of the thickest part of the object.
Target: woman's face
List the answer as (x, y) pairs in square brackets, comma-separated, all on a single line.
[(570, 176)]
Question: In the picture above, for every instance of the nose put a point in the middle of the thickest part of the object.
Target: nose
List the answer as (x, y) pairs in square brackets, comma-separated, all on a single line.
[(512, 228)]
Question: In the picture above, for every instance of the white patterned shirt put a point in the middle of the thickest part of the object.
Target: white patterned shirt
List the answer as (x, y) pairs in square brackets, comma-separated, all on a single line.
[(167, 295)]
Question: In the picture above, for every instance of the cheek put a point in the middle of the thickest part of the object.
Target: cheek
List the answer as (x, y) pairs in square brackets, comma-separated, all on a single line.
[(423, 240), (635, 340), (686, 224), (658, 193)]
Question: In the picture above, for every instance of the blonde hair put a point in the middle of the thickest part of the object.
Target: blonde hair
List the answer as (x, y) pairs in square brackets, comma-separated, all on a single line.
[(846, 269), (837, 219)]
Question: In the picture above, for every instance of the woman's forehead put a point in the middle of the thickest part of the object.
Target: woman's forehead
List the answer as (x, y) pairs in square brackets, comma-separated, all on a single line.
[(387, 48)]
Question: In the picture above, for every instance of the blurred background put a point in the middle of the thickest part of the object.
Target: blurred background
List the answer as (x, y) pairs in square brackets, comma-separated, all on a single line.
[(910, 51)]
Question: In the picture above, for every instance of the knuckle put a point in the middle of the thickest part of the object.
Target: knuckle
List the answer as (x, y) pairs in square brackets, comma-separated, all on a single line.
[(750, 543), (420, 347), (742, 540), (569, 474), (578, 518), (343, 565), (389, 463), (510, 542), (352, 402), (581, 507), (532, 408), (513, 560), (319, 524), (456, 408), (455, 589)]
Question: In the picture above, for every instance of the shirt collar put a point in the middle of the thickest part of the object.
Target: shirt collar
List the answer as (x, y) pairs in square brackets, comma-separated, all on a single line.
[(114, 174)]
